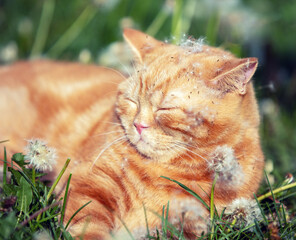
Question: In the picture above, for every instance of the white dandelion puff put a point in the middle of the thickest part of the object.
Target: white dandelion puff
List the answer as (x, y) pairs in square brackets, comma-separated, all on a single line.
[(244, 211), (40, 155), (224, 163)]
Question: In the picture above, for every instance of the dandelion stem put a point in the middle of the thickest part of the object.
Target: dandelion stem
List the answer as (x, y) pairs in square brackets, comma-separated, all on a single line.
[(231, 225), (280, 189)]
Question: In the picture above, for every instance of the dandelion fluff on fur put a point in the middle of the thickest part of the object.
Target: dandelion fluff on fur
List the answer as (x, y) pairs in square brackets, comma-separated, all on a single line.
[(223, 162)]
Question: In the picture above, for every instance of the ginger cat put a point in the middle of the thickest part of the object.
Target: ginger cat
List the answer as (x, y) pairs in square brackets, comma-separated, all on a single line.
[(185, 109)]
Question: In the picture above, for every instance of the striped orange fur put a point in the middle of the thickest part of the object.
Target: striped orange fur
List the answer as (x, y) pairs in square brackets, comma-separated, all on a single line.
[(183, 107)]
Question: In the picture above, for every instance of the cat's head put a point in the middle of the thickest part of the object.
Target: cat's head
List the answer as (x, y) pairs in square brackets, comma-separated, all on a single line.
[(182, 97)]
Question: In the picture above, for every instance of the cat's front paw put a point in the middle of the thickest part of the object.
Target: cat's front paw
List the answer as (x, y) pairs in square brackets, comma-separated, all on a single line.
[(189, 216)]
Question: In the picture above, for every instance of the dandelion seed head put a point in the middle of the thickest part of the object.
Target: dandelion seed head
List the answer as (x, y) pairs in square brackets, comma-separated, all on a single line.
[(245, 211), (40, 155), (85, 56), (140, 233), (9, 53), (224, 163), (222, 159), (43, 234)]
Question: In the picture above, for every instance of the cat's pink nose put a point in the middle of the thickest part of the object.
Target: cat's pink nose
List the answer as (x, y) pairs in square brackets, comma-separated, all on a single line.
[(140, 127)]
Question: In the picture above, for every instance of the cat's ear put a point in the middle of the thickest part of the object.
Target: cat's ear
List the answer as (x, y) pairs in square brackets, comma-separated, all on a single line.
[(141, 43), (235, 76)]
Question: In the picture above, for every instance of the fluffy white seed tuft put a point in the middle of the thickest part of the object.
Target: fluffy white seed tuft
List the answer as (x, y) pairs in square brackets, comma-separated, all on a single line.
[(224, 163), (245, 211), (40, 155), (192, 45)]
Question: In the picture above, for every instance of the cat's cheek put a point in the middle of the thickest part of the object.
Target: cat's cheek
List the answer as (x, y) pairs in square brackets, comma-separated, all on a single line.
[(201, 131)]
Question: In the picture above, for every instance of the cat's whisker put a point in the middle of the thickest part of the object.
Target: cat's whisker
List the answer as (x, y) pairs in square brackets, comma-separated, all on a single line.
[(173, 148), (105, 148), (135, 68), (114, 123), (186, 144), (180, 155), (119, 73), (110, 93), (117, 141), (115, 83), (192, 152), (106, 133), (126, 69)]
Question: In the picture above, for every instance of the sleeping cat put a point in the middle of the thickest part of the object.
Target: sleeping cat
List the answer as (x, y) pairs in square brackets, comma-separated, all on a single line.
[(183, 111)]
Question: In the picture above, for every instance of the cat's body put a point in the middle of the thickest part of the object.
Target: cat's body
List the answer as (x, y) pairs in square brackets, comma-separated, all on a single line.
[(169, 118)]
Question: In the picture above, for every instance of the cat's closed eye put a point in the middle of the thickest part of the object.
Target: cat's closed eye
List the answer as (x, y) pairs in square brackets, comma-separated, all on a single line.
[(166, 108), (132, 101)]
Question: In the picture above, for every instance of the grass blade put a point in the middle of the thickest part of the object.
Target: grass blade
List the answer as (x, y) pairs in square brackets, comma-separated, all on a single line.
[(212, 210), (274, 201), (4, 167), (65, 199), (76, 213), (177, 21), (43, 28), (146, 221), (128, 231), (73, 31), (58, 179), (189, 191), (261, 210)]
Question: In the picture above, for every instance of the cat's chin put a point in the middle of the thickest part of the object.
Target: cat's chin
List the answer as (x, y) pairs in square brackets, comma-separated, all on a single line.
[(153, 153)]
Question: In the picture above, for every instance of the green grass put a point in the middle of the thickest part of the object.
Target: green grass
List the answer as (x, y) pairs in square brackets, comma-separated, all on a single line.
[(29, 207)]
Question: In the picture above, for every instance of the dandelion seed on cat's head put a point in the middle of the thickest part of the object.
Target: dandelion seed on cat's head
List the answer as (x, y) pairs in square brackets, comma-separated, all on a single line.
[(192, 45), (40, 155), (245, 211)]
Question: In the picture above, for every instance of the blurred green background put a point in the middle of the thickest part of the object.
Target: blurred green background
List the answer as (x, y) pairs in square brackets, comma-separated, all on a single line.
[(91, 32)]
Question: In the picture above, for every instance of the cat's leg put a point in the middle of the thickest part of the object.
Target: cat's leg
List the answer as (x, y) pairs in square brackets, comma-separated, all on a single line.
[(108, 202), (188, 215), (94, 221)]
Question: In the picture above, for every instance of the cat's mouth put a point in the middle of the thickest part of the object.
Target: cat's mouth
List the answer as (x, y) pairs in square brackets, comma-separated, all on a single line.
[(151, 145), (150, 148), (142, 140)]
